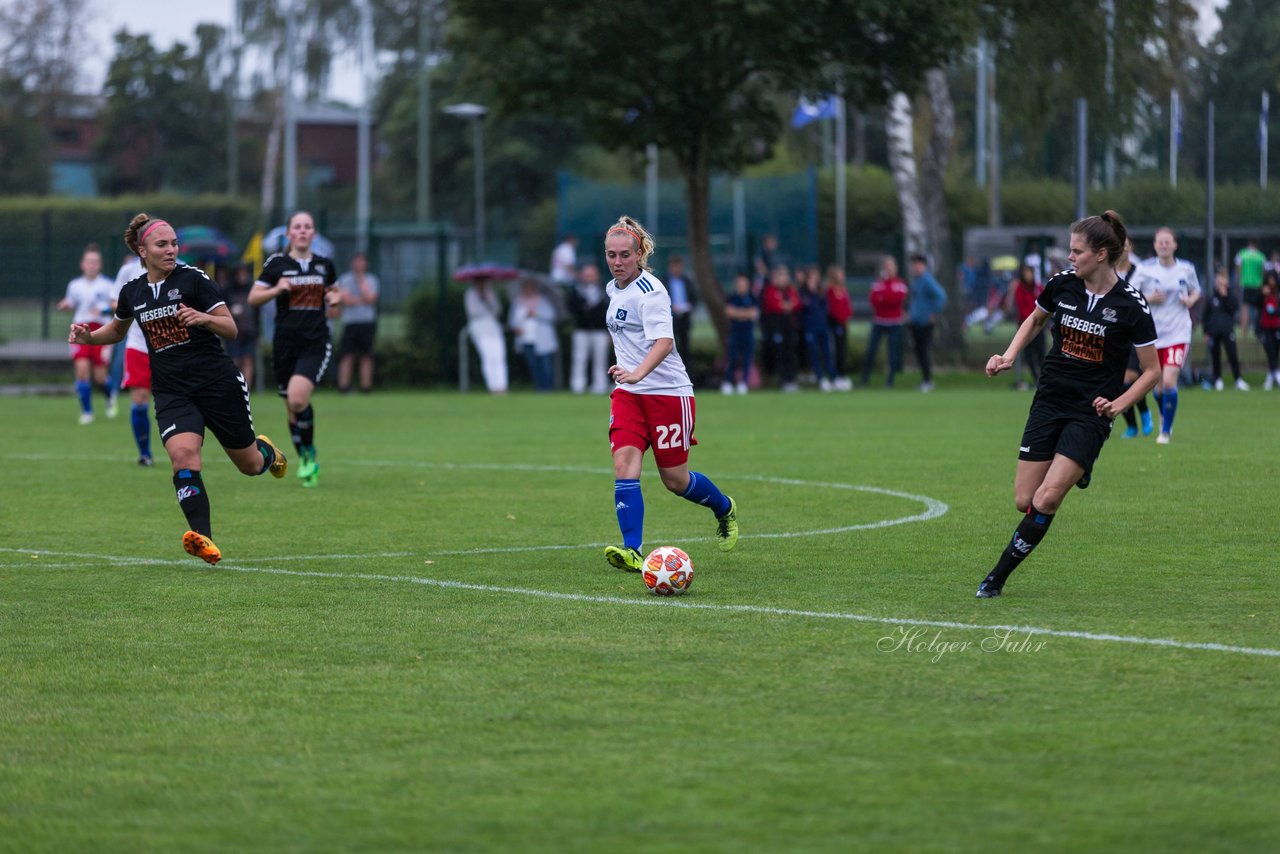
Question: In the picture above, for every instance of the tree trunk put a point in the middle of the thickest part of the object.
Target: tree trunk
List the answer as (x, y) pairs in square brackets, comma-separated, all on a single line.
[(697, 181), (899, 128), (270, 160), (933, 173)]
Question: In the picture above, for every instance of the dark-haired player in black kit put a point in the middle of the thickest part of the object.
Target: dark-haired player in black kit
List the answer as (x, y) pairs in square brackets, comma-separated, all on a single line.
[(194, 382), (303, 286), (1098, 318)]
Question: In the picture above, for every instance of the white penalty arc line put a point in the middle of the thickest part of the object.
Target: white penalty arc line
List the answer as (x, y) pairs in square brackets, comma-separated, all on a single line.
[(933, 508), (446, 584)]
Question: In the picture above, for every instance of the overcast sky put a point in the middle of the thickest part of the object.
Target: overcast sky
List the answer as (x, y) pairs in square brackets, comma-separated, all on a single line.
[(168, 21)]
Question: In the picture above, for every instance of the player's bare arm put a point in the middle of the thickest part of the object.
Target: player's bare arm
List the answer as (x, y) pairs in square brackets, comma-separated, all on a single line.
[(219, 321), (1029, 329), (662, 348)]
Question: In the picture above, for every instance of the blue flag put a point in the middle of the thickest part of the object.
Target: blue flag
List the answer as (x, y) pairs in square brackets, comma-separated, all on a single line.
[(809, 111)]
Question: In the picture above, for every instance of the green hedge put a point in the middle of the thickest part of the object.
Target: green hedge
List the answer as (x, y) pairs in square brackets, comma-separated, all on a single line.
[(34, 259)]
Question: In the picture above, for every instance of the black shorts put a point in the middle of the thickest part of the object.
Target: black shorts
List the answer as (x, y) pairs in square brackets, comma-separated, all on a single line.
[(1053, 429), (308, 359), (1251, 297), (222, 406), (357, 339)]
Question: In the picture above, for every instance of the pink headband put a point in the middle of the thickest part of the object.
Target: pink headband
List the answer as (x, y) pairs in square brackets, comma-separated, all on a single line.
[(617, 228), (150, 226)]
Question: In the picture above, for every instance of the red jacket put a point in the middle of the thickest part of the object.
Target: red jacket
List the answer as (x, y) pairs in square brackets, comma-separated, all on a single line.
[(776, 300), (1269, 316), (888, 296), (839, 308)]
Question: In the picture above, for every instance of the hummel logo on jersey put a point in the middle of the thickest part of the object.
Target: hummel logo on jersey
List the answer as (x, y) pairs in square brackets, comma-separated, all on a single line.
[(1072, 307), (139, 308), (1025, 449), (622, 314)]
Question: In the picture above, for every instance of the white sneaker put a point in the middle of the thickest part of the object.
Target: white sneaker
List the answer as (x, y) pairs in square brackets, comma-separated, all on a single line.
[(86, 417), (825, 384), (843, 384), (726, 387), (742, 388), (926, 386), (1162, 439), (112, 407), (790, 388), (1217, 384), (1241, 385), (1269, 382)]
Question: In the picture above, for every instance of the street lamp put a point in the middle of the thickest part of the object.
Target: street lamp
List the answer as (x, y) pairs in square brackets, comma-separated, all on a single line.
[(476, 113)]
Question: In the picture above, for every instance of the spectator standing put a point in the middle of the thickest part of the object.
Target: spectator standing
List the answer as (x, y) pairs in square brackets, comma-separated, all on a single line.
[(1171, 287), (817, 336), (1221, 310), (564, 260), (926, 304), (682, 298), (533, 323), (587, 307), (89, 298), (779, 302), (484, 328), (839, 313), (888, 298), (243, 349), (1269, 326), (1021, 302), (743, 310), (359, 291), (1250, 265)]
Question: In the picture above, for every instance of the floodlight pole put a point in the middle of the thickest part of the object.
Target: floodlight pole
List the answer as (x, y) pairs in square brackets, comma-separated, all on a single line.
[(476, 113)]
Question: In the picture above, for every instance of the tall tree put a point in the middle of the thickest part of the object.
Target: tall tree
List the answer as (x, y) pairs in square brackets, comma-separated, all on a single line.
[(696, 78), (24, 149), (1245, 62), (163, 117)]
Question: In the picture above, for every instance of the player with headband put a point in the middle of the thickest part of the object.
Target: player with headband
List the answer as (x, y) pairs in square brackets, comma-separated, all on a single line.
[(194, 382), (652, 405)]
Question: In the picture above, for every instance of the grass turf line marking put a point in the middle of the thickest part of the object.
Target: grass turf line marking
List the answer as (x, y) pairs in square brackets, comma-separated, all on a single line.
[(933, 507), (662, 603)]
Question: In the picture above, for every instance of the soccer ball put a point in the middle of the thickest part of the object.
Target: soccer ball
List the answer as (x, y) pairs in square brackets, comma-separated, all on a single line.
[(668, 571)]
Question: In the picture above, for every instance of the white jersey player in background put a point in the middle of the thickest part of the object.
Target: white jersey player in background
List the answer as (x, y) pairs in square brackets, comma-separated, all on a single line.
[(1171, 287), (652, 405)]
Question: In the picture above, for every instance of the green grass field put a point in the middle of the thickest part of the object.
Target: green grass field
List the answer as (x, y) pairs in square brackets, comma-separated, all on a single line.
[(428, 651)]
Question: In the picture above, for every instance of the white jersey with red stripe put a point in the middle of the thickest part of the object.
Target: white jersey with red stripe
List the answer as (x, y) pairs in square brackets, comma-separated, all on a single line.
[(90, 299), (1172, 318), (639, 315)]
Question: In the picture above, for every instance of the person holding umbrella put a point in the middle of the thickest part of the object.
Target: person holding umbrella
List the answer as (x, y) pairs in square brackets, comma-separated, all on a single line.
[(303, 285), (484, 325)]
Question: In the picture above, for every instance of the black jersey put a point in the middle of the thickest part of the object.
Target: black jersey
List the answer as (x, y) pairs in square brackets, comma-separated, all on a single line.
[(183, 358), (300, 313), (1092, 339)]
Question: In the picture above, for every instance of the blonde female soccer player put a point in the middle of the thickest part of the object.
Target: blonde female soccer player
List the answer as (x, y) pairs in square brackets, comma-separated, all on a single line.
[(652, 405)]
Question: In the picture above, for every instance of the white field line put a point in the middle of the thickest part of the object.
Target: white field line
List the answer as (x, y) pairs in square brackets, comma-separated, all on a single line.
[(932, 507), (643, 601)]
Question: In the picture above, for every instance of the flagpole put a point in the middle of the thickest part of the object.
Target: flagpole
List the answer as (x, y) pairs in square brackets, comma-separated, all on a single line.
[(1175, 128), (1262, 140), (841, 184)]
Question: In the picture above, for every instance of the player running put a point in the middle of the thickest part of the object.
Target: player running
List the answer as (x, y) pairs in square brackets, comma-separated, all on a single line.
[(89, 298), (1171, 288), (195, 383), (1097, 319), (304, 288), (652, 404)]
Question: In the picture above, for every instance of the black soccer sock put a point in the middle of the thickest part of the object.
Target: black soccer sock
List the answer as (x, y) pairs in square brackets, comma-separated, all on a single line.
[(306, 429), (1142, 404), (193, 500), (294, 434), (1026, 537), (1129, 417), (268, 455)]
